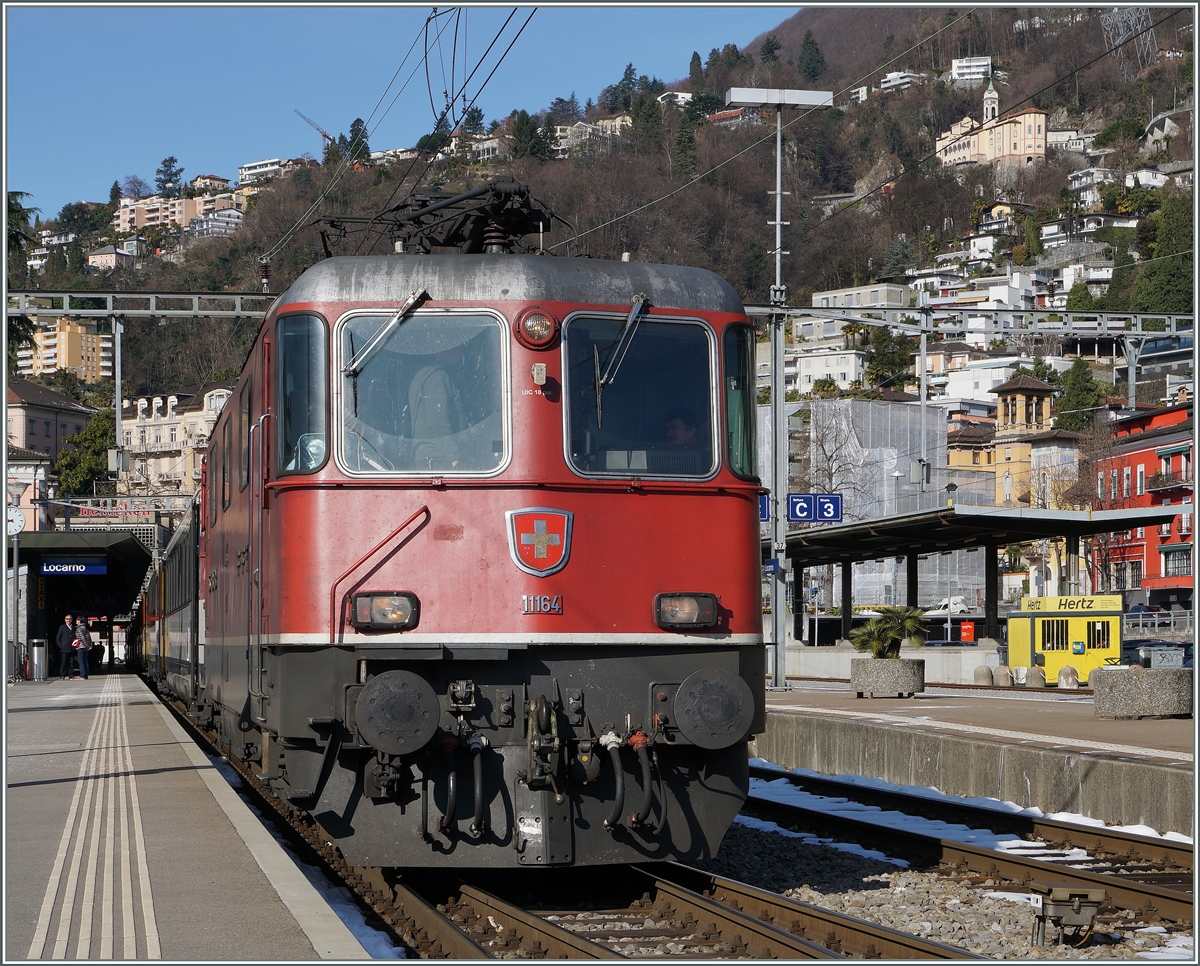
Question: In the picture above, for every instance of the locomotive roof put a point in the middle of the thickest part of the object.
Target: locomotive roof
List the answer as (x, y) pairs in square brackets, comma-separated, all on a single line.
[(489, 278)]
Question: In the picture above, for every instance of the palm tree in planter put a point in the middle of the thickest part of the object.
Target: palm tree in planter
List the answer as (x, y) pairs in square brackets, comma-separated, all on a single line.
[(882, 636)]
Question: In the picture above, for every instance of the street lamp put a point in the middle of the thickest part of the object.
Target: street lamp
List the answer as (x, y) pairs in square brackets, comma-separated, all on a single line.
[(16, 523), (778, 99)]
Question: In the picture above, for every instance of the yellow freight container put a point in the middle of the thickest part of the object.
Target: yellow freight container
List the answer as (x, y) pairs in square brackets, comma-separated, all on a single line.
[(1054, 632)]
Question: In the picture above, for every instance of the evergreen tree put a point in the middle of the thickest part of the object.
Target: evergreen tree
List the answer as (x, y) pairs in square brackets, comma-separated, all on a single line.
[(358, 147), (168, 179), (1116, 299), (696, 74), (1166, 284), (683, 150), (564, 110), (527, 139), (472, 122), (889, 357), (810, 62), (1081, 395), (731, 55), (1079, 299), (768, 50), (619, 97), (437, 139), (897, 259), (331, 156), (114, 194), (702, 105), (714, 59)]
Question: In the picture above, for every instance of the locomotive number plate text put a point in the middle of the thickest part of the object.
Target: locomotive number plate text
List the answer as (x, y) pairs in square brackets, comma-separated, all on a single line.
[(545, 604)]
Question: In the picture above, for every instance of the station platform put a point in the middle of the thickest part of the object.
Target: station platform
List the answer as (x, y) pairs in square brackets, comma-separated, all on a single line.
[(124, 841), (1036, 747)]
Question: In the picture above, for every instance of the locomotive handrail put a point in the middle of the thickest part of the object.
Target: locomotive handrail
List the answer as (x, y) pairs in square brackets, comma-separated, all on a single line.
[(334, 614)]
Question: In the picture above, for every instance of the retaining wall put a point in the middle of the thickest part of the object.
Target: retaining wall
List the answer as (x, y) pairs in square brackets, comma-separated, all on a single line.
[(1115, 790)]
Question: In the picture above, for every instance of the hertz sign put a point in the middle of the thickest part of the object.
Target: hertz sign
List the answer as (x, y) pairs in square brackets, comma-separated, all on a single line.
[(74, 566), (1094, 603)]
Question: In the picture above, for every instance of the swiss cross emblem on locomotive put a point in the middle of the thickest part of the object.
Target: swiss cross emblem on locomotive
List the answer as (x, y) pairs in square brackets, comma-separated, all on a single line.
[(539, 539)]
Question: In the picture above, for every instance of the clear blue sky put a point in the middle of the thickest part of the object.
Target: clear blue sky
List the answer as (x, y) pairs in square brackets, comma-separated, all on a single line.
[(94, 94)]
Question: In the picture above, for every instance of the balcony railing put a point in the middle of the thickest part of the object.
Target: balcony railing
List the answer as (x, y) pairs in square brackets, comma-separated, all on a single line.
[(1169, 481)]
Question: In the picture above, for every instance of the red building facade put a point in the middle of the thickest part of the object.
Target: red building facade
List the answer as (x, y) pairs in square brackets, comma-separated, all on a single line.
[(1149, 461)]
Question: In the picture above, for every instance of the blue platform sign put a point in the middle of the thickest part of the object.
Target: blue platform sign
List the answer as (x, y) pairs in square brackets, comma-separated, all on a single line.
[(829, 507), (801, 508), (60, 566), (764, 508)]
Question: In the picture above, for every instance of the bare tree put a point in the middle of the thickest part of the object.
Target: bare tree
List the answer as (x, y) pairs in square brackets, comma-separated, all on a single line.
[(134, 187)]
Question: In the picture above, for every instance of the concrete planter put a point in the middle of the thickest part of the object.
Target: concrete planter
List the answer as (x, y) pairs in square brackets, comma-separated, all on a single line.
[(1132, 692), (902, 677)]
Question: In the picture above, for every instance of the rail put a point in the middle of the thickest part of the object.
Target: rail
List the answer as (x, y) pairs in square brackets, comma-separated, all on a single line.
[(1098, 839), (1144, 898)]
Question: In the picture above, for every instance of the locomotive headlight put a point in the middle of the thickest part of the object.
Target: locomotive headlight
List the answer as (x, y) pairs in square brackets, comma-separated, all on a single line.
[(536, 329), (390, 611), (685, 610)]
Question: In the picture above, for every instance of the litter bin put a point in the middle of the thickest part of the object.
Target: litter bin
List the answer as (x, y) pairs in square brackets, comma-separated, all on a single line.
[(37, 659)]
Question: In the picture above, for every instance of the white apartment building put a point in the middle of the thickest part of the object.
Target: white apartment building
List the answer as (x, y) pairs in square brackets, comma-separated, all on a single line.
[(166, 440), (1087, 184), (979, 376), (900, 80), (843, 366), (216, 224), (882, 295), (260, 170), (969, 71)]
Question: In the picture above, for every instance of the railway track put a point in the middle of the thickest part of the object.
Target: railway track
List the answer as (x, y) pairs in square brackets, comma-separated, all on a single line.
[(1148, 876), (664, 910)]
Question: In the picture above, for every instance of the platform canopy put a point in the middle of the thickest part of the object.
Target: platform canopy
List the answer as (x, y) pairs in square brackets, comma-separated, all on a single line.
[(114, 592), (958, 528)]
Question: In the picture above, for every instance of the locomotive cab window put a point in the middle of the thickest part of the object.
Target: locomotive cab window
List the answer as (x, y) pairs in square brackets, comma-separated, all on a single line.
[(421, 395), (302, 394), (244, 435), (741, 400), (640, 397)]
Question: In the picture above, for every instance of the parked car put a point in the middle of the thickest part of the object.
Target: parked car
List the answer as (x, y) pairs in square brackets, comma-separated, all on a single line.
[(1130, 649), (1150, 615)]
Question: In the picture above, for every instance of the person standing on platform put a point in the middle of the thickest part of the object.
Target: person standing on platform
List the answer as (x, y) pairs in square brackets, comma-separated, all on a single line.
[(83, 644), (66, 647)]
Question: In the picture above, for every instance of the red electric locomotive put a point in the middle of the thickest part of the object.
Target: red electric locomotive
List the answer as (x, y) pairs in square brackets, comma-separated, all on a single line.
[(479, 557)]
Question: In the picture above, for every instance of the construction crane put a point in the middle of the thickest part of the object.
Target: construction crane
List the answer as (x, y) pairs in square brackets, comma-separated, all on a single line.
[(315, 126)]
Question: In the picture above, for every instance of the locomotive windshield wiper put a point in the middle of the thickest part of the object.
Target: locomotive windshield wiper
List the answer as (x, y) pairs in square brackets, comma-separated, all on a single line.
[(624, 341), (360, 359)]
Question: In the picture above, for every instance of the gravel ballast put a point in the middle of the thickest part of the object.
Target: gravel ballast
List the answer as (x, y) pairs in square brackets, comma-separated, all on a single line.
[(920, 903)]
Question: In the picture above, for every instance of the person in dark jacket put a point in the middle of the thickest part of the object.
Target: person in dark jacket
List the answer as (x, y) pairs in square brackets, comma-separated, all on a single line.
[(66, 647), (83, 638)]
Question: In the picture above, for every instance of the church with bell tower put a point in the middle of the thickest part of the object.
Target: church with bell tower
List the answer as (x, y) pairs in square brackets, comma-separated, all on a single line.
[(1017, 138)]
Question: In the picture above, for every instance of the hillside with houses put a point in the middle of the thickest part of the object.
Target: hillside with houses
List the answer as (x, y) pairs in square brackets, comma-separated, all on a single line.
[(993, 161)]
